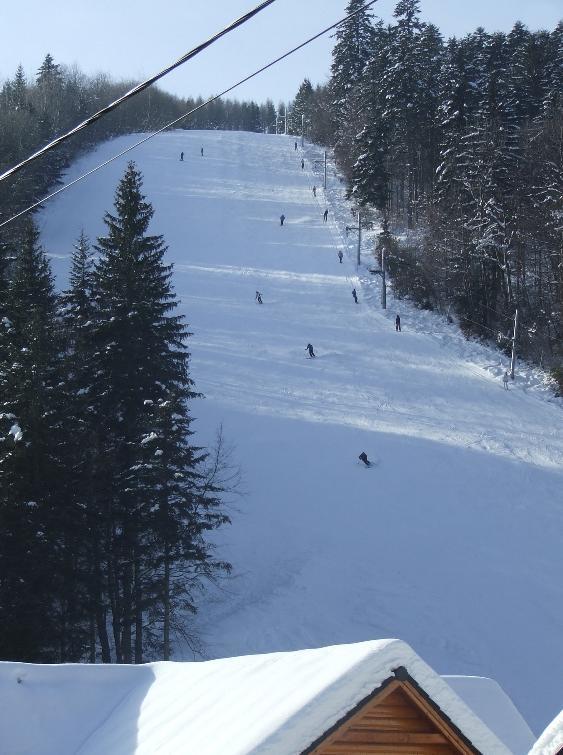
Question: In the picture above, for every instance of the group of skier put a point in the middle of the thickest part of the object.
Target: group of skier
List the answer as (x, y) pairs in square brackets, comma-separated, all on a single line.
[(182, 155), (282, 216), (309, 348), (325, 218)]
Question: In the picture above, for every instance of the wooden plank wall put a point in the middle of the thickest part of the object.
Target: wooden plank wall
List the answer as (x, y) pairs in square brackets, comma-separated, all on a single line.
[(398, 720)]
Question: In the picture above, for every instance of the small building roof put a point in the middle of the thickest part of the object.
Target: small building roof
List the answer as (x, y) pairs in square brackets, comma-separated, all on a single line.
[(551, 741), (492, 705), (274, 704)]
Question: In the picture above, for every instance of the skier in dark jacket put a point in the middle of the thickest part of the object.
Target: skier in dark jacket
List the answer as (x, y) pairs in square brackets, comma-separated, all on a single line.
[(296, 146), (302, 164), (202, 151), (355, 295), (364, 457), (282, 218), (309, 348), (314, 191), (258, 297), (398, 324), (325, 216), (181, 157), (340, 255)]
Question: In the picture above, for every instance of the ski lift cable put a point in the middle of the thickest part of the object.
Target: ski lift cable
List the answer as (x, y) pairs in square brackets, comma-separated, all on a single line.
[(136, 89), (185, 115)]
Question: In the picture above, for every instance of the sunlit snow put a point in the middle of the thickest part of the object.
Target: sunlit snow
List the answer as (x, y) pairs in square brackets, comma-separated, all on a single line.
[(453, 541)]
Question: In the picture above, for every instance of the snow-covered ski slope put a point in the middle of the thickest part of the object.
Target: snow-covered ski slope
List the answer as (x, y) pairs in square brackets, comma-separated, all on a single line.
[(453, 541)]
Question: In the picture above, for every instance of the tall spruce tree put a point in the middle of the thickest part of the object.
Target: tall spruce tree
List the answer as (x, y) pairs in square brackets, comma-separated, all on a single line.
[(351, 54), (268, 117), (29, 376), (431, 64), (302, 108), (458, 106), (81, 606), (400, 84), (19, 89), (156, 509), (371, 171)]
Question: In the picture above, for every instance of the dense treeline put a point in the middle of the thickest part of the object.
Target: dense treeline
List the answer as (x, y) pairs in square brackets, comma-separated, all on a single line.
[(460, 143), (106, 502), (34, 112)]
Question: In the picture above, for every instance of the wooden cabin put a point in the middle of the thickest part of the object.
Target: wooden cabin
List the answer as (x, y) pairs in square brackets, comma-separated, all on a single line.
[(398, 718)]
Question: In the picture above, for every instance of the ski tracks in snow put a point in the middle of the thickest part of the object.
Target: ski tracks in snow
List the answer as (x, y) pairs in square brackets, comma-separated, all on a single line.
[(455, 535)]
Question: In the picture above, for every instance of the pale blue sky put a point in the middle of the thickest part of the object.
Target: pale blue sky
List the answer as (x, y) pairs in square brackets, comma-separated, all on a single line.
[(134, 38)]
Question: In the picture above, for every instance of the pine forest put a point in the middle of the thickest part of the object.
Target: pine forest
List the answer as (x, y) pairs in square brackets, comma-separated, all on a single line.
[(458, 144)]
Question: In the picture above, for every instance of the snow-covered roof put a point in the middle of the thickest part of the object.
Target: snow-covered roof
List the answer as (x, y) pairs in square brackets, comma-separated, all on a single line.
[(551, 741), (275, 704), (491, 704)]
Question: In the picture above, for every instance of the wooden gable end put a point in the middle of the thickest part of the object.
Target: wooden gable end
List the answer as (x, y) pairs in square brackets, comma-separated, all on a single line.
[(396, 719)]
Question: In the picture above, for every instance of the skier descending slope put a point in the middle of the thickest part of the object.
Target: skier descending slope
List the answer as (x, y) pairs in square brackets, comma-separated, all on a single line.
[(309, 348), (355, 295), (340, 255), (364, 457), (282, 218), (258, 297)]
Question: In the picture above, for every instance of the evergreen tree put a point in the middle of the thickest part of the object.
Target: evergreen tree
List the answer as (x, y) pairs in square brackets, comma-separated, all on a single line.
[(28, 551), (302, 108), (371, 173), (321, 129), (351, 53), (457, 108), (268, 117), (49, 81), (403, 102), (142, 368), (49, 72), (81, 608), (526, 73), (431, 64), (19, 89)]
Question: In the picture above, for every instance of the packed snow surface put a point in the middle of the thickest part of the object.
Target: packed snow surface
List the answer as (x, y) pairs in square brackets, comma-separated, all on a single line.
[(452, 540), (275, 704)]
